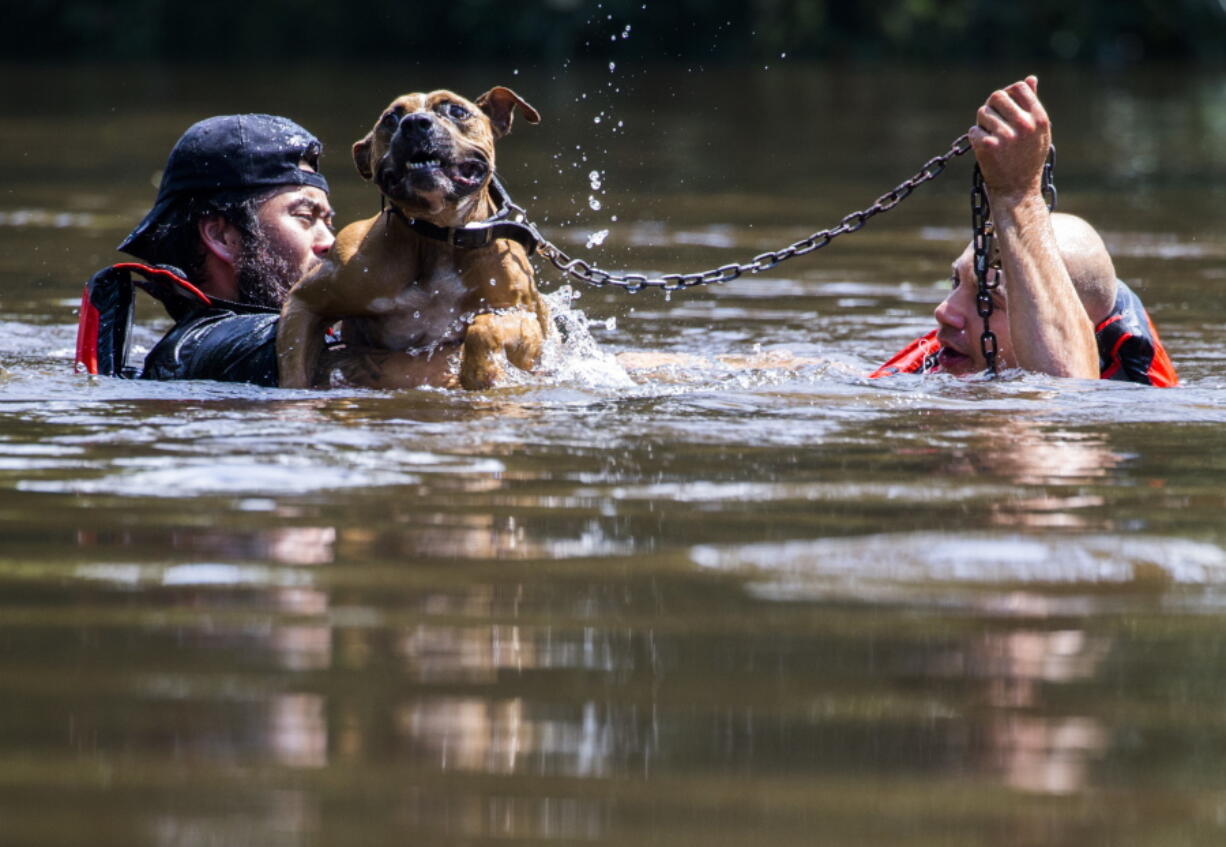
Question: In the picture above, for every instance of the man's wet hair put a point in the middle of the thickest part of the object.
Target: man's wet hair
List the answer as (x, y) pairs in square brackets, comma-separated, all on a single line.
[(176, 239)]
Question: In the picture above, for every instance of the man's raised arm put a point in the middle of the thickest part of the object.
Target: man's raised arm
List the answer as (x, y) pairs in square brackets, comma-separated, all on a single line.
[(1050, 329)]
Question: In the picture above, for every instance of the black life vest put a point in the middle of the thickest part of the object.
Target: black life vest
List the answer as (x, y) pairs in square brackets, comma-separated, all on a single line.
[(108, 304)]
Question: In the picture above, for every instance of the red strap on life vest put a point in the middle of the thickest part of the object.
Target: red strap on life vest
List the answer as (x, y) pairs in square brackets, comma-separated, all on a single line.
[(1114, 363), (909, 359), (152, 272), (87, 335), (1161, 371), (102, 318)]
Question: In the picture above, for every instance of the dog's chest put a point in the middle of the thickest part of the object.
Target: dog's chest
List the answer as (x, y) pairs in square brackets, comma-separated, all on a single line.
[(432, 310)]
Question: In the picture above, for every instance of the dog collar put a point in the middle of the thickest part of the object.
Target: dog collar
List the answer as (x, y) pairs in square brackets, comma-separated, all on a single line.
[(483, 233)]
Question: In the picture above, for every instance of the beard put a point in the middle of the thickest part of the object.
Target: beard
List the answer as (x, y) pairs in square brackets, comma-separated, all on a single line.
[(265, 269)]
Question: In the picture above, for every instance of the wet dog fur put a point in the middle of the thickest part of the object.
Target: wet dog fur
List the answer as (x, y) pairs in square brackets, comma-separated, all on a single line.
[(417, 311)]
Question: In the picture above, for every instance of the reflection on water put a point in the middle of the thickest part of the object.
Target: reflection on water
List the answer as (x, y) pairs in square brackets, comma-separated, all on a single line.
[(766, 604)]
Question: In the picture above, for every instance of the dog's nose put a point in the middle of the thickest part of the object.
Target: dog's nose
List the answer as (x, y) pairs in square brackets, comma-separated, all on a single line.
[(415, 122)]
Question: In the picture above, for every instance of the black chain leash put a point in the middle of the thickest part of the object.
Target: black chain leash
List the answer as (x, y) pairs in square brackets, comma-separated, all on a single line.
[(981, 227), (982, 235), (981, 240), (585, 271)]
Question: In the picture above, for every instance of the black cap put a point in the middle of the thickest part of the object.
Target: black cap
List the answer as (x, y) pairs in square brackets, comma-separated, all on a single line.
[(230, 153)]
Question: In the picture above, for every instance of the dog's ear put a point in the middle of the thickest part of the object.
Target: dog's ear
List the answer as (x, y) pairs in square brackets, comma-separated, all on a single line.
[(499, 105), (361, 157)]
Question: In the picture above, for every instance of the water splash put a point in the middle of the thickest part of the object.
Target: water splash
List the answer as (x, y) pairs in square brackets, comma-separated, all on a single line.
[(571, 354)]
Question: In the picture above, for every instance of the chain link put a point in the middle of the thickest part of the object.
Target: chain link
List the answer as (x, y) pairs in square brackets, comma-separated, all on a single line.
[(981, 245), (583, 270), (1049, 180)]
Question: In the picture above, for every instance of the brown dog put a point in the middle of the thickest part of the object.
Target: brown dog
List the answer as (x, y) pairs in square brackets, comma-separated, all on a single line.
[(417, 309)]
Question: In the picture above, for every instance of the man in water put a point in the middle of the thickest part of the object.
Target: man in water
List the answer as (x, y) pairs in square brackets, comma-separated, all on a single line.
[(1059, 308), (243, 212)]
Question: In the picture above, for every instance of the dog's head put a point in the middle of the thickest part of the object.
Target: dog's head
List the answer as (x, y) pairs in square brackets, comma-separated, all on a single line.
[(432, 154)]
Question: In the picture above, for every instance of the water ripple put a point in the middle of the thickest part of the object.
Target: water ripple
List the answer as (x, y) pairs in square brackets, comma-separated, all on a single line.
[(881, 567)]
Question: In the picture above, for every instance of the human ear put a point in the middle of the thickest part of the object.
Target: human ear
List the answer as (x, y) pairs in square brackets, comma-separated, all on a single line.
[(220, 237)]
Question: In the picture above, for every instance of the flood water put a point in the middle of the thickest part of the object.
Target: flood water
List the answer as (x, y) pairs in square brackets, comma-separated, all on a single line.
[(775, 606)]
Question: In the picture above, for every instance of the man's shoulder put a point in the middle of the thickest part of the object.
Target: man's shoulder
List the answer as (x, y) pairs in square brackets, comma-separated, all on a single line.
[(1129, 348), (1128, 312), (217, 343)]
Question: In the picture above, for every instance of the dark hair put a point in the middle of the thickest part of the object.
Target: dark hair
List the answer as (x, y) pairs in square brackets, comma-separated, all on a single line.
[(176, 239)]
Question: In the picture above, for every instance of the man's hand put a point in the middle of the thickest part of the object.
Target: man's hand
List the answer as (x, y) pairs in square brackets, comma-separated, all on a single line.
[(1011, 139)]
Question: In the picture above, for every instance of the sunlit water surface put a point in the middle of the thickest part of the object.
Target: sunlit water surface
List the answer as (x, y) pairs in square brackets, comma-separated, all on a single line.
[(709, 605)]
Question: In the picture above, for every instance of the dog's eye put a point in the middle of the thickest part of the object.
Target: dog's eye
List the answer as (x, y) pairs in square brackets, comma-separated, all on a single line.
[(456, 112), (390, 120)]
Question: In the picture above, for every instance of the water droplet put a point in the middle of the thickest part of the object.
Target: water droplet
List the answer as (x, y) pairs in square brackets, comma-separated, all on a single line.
[(597, 238), (416, 314), (668, 296), (612, 66), (596, 119), (594, 179), (626, 31), (593, 203)]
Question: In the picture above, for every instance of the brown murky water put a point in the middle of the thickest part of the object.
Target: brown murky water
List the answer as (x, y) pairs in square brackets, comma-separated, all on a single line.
[(722, 607)]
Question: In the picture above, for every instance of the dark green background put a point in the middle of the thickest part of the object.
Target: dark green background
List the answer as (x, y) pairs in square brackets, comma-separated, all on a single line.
[(1102, 32)]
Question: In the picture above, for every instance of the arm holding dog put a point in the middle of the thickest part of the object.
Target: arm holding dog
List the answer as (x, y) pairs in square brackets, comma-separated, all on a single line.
[(300, 332)]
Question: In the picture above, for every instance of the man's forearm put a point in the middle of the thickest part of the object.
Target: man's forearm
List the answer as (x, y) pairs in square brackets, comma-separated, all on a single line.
[(1051, 331)]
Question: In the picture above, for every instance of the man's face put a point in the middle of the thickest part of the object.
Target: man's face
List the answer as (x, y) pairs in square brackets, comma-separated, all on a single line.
[(961, 326), (293, 233)]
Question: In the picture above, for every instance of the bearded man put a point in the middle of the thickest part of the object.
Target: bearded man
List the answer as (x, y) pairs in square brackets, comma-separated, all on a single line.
[(241, 214)]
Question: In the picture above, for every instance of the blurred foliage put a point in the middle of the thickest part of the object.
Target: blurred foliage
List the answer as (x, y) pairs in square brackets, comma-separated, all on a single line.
[(1102, 32)]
